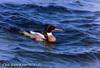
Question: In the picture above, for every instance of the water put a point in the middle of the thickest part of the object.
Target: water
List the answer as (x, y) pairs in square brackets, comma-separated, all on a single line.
[(77, 47)]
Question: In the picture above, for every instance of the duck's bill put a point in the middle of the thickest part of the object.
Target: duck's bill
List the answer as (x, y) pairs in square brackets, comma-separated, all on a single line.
[(58, 29)]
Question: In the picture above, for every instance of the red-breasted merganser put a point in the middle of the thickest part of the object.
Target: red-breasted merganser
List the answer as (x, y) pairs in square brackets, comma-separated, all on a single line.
[(44, 36)]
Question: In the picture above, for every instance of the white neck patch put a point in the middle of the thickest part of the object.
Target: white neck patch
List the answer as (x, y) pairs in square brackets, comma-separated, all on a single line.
[(49, 34)]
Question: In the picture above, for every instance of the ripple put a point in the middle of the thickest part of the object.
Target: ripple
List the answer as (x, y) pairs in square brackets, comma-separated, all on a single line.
[(78, 44)]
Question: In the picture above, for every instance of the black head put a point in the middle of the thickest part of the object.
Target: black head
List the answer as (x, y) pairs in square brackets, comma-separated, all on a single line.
[(49, 28)]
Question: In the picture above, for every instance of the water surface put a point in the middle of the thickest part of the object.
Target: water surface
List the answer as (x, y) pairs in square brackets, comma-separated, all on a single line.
[(76, 47)]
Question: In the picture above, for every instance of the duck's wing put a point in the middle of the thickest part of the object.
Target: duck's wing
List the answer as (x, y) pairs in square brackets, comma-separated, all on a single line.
[(32, 32), (39, 34)]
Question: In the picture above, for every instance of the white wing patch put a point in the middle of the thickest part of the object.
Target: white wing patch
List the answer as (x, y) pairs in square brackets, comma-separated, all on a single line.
[(42, 36), (33, 32)]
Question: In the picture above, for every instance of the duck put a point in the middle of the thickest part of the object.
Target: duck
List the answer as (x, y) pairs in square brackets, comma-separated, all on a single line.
[(46, 35)]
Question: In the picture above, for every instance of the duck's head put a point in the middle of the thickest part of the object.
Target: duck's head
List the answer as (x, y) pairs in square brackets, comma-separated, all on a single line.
[(49, 28), (48, 32)]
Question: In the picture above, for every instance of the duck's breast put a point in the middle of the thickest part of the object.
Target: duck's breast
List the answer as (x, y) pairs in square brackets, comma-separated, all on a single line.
[(51, 37)]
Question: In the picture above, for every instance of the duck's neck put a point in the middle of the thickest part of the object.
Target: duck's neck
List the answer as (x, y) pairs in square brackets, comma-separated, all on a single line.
[(49, 34)]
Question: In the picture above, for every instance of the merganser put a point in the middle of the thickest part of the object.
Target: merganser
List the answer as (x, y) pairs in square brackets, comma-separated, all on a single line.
[(44, 36)]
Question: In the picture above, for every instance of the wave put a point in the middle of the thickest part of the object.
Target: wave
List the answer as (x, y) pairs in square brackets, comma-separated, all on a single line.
[(79, 19), (87, 5)]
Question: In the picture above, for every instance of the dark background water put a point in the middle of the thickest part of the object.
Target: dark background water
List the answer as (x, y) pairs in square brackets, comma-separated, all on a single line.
[(77, 47)]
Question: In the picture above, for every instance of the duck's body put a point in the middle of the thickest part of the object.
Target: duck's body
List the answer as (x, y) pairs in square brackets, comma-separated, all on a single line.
[(36, 36), (47, 35), (39, 36)]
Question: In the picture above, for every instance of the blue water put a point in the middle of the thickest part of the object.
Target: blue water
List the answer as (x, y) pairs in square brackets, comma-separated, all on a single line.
[(78, 46)]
